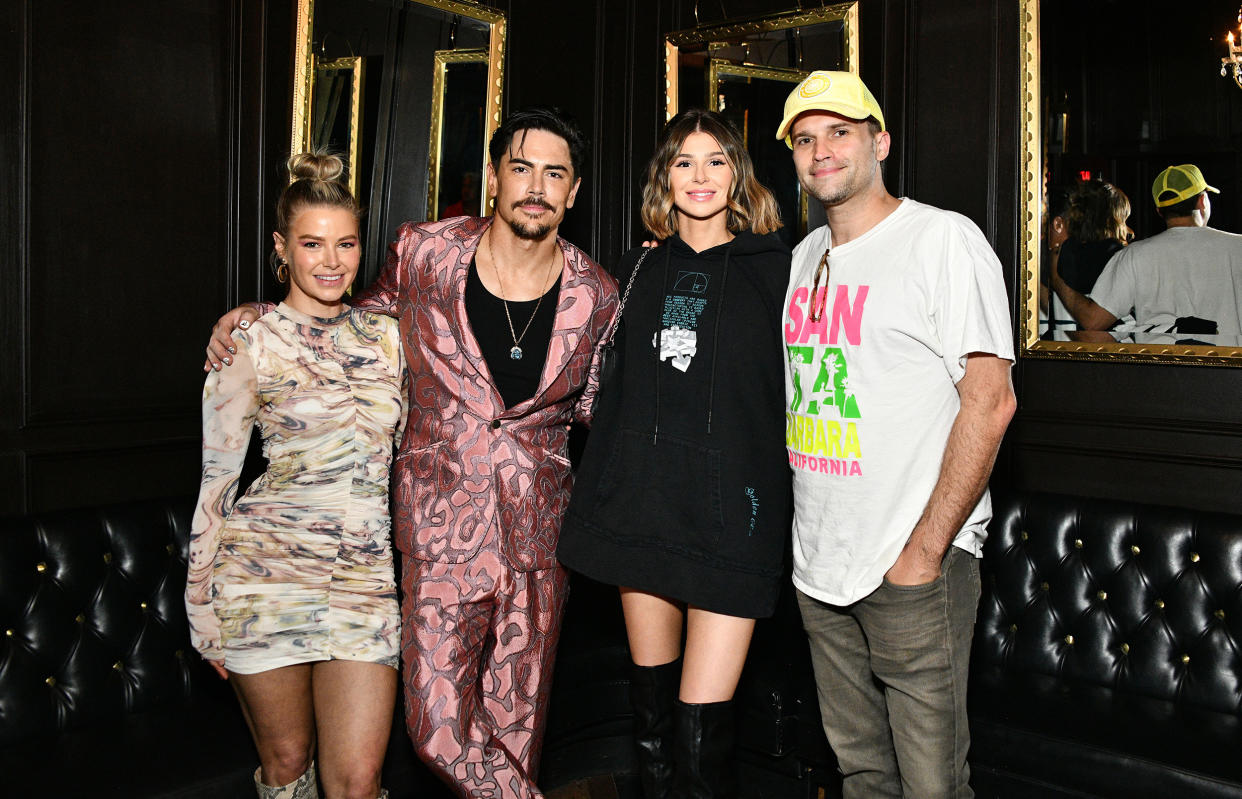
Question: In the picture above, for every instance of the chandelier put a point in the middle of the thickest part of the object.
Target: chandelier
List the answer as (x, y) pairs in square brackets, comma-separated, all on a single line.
[(1232, 63)]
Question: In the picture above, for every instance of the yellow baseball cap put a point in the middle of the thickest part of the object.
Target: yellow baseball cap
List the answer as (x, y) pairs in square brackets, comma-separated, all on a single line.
[(841, 93), (1178, 183)]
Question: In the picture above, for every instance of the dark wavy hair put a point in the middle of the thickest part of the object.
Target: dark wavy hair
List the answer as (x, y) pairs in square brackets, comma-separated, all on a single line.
[(547, 118), (751, 206)]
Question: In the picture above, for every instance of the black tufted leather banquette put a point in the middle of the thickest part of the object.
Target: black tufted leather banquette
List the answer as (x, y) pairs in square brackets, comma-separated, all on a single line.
[(1108, 651), (1107, 663), (100, 692)]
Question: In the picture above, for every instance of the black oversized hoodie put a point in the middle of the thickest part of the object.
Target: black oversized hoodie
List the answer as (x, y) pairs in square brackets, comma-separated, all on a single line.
[(684, 486)]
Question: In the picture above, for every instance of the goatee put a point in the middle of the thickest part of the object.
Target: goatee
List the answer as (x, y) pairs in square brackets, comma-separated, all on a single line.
[(531, 232)]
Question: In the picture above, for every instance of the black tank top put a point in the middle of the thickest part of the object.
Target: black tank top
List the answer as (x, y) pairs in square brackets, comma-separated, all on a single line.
[(517, 378)]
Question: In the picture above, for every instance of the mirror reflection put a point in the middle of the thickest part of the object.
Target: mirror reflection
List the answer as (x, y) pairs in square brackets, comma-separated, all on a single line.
[(1139, 178), (753, 99), (745, 69), (457, 144), (336, 110), (427, 96)]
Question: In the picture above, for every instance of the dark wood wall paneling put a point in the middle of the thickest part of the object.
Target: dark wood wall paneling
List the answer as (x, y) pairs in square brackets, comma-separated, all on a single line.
[(14, 43), (136, 151), (1157, 433), (948, 75), (119, 270)]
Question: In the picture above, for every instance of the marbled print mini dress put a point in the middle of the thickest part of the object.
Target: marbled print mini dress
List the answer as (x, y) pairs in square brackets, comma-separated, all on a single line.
[(300, 568)]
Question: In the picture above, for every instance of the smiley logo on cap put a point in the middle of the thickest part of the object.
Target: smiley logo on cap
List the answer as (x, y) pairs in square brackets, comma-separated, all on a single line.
[(816, 84)]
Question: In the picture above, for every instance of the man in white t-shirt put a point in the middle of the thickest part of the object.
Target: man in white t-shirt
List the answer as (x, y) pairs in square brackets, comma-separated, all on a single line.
[(1187, 279), (899, 346)]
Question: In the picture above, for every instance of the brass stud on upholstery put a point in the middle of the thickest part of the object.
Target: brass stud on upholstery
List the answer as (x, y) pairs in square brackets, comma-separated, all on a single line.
[(168, 548), (81, 617), (40, 567), (1160, 604), (1069, 639), (1220, 614), (1025, 537), (107, 557), (142, 605), (1077, 543), (8, 633), (1102, 595), (1194, 557), (1134, 548), (50, 681), (1043, 586), (117, 666), (1185, 659), (1013, 628), (1125, 648)]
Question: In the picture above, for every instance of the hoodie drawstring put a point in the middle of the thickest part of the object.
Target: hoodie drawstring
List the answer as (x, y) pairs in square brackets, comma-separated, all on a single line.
[(711, 390), (668, 256)]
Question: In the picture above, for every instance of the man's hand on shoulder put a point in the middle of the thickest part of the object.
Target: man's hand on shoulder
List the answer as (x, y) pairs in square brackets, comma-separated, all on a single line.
[(220, 348)]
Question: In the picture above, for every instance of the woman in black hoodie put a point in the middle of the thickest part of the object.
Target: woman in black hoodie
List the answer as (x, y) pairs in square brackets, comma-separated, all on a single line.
[(682, 498)]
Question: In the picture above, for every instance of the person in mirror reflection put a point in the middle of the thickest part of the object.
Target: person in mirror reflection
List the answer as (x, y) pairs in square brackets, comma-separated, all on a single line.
[(898, 349), (682, 498), (290, 592), (1187, 279), (468, 203), (1096, 230), (499, 318), (1056, 231)]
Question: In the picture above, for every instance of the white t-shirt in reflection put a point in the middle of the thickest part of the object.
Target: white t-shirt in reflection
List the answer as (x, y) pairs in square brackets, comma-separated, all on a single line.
[(1184, 271)]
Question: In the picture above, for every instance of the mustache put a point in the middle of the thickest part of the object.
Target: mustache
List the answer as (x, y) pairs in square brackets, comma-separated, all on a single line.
[(537, 201)]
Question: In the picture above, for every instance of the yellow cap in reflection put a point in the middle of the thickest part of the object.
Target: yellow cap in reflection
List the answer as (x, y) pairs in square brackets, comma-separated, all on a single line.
[(1178, 183)]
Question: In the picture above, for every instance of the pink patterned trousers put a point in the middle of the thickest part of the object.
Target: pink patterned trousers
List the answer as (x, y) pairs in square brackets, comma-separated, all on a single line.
[(478, 641)]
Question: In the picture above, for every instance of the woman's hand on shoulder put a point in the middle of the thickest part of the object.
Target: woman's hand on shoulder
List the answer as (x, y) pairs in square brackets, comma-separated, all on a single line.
[(220, 349)]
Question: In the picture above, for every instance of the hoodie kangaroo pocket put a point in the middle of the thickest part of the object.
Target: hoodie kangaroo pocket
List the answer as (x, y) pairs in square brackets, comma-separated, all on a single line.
[(667, 493)]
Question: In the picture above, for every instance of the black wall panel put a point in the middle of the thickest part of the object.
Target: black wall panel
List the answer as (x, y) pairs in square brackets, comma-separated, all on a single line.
[(126, 177), (135, 151), (143, 156)]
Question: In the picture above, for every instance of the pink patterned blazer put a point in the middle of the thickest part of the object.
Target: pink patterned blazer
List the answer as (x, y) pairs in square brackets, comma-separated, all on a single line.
[(465, 461)]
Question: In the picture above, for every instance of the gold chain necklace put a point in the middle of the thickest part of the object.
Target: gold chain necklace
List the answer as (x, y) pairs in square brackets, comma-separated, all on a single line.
[(516, 352)]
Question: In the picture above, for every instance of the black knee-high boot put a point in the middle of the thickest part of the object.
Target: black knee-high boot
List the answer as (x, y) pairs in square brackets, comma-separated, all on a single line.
[(704, 752), (653, 691)]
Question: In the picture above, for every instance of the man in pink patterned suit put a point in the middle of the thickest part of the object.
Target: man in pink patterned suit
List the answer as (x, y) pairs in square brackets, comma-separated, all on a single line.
[(500, 319)]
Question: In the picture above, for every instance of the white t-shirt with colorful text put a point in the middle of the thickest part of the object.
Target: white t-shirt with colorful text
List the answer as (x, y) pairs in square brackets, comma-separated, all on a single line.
[(871, 387)]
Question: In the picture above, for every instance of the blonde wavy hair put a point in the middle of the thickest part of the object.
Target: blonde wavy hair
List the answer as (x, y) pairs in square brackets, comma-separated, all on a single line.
[(1098, 211), (751, 206)]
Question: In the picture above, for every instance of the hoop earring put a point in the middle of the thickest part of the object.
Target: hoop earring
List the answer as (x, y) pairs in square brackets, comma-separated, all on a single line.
[(282, 272)]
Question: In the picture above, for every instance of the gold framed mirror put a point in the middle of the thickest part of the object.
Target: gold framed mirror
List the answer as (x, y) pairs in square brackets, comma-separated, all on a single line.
[(334, 118), (1089, 112), (458, 139), (412, 50), (743, 94), (745, 68)]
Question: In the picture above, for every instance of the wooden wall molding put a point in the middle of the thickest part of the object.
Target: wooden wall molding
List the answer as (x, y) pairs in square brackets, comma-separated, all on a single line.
[(1131, 423), (126, 245)]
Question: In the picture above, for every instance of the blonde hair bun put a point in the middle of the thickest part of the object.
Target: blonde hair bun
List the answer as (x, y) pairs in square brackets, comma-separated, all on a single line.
[(316, 166), (316, 183)]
